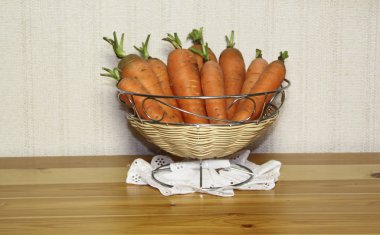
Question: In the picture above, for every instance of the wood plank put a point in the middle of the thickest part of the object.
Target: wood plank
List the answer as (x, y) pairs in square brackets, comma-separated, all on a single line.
[(191, 204), (62, 175), (328, 172), (234, 223), (318, 158), (127, 190), (122, 161), (118, 174), (68, 161)]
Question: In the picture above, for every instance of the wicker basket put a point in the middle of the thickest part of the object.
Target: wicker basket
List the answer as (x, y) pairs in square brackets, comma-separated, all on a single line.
[(207, 140), (201, 142)]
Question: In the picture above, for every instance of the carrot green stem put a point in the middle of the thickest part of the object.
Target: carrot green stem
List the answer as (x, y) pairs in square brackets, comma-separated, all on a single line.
[(144, 48), (204, 53), (115, 73), (196, 36), (174, 40), (117, 47), (283, 56), (231, 40), (259, 53)]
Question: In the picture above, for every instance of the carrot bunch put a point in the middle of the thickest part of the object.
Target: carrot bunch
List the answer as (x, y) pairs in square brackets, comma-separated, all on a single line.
[(192, 73)]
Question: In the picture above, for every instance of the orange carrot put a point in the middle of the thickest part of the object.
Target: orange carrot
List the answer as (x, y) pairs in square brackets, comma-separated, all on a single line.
[(133, 66), (119, 52), (254, 71), (148, 109), (232, 63), (115, 74), (185, 80), (160, 70), (196, 36), (270, 80), (212, 85)]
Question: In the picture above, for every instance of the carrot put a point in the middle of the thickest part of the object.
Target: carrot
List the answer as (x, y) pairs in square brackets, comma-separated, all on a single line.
[(147, 109), (185, 81), (120, 53), (232, 63), (254, 71), (270, 80), (196, 36), (115, 74), (160, 70), (132, 65), (212, 85)]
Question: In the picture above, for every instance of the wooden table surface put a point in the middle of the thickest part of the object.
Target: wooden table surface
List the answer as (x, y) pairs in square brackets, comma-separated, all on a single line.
[(316, 194)]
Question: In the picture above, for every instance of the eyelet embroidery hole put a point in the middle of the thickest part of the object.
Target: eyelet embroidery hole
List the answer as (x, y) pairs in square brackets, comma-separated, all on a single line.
[(136, 178), (160, 161)]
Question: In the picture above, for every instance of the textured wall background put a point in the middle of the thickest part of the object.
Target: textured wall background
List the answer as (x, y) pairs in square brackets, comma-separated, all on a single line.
[(53, 101)]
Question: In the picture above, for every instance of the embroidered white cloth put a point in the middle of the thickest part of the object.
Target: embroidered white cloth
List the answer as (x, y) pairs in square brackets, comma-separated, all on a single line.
[(218, 175)]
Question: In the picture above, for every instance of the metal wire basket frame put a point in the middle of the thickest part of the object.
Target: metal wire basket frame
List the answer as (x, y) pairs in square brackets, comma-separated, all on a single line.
[(269, 110)]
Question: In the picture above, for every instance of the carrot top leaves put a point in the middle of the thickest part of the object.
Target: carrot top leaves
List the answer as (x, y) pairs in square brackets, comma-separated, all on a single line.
[(204, 53), (259, 53), (231, 40), (283, 56), (174, 40), (144, 48), (196, 36), (115, 73), (117, 47)]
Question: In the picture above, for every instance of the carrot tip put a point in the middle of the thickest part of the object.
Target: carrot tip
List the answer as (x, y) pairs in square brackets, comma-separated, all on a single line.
[(231, 40), (144, 48), (174, 40), (115, 74), (196, 36), (283, 55), (117, 47), (259, 53)]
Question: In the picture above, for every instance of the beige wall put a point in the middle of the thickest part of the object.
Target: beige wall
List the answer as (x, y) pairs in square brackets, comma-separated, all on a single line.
[(53, 101)]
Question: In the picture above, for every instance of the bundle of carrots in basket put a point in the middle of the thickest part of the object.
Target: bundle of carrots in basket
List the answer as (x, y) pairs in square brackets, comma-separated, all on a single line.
[(196, 72)]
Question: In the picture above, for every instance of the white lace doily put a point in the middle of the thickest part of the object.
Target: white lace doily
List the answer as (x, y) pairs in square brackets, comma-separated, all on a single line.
[(217, 174)]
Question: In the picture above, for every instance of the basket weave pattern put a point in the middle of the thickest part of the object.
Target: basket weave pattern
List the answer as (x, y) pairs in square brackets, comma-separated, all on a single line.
[(201, 142), (207, 140)]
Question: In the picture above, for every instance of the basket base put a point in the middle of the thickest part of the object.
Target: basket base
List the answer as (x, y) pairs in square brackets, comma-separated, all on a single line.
[(236, 167), (219, 177)]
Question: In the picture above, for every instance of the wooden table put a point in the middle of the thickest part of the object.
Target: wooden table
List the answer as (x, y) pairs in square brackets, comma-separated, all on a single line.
[(316, 194)]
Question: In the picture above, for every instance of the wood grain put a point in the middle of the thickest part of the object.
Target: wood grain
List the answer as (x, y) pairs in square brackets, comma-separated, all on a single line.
[(301, 187), (118, 174), (311, 198), (190, 205), (234, 223), (122, 161)]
